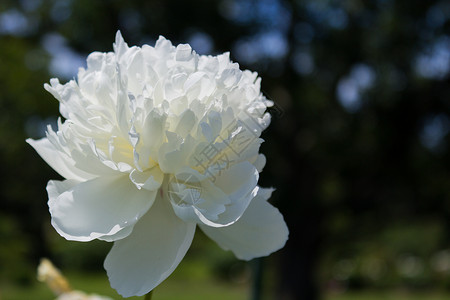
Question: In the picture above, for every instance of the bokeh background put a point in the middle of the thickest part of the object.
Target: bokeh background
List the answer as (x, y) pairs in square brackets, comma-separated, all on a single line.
[(358, 148)]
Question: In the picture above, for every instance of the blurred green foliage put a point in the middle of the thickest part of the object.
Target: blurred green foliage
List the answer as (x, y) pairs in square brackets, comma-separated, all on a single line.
[(193, 280), (358, 149)]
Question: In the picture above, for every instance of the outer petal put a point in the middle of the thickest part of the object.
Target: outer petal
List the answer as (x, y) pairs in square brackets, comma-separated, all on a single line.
[(260, 231), (60, 162), (98, 208), (159, 241)]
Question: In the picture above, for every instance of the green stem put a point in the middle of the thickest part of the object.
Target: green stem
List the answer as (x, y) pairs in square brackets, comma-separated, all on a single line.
[(149, 295)]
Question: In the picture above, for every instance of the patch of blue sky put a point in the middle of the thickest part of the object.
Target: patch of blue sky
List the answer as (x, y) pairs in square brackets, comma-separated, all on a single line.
[(14, 22), (350, 89), (61, 10), (201, 42), (271, 44), (438, 14), (65, 62), (434, 61), (30, 5), (303, 62), (330, 14), (269, 14), (435, 129)]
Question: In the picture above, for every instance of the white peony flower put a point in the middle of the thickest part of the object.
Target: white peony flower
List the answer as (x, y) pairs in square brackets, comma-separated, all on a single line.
[(155, 141)]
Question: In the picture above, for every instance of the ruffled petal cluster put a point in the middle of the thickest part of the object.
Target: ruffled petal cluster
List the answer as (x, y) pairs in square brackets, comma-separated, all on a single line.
[(155, 141)]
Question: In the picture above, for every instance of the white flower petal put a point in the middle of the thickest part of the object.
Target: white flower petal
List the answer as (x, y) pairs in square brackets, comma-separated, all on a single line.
[(234, 211), (196, 199), (159, 241), (120, 47), (260, 231), (260, 162), (56, 187), (173, 155), (239, 182), (123, 233), (97, 208), (186, 123), (150, 180), (59, 161)]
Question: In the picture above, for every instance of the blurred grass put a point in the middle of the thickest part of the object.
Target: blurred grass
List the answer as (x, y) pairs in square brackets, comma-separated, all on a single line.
[(178, 288), (192, 280), (196, 278), (389, 295), (195, 287)]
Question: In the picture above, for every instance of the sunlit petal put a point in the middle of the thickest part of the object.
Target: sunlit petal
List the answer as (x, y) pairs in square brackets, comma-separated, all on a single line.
[(97, 208), (159, 241)]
